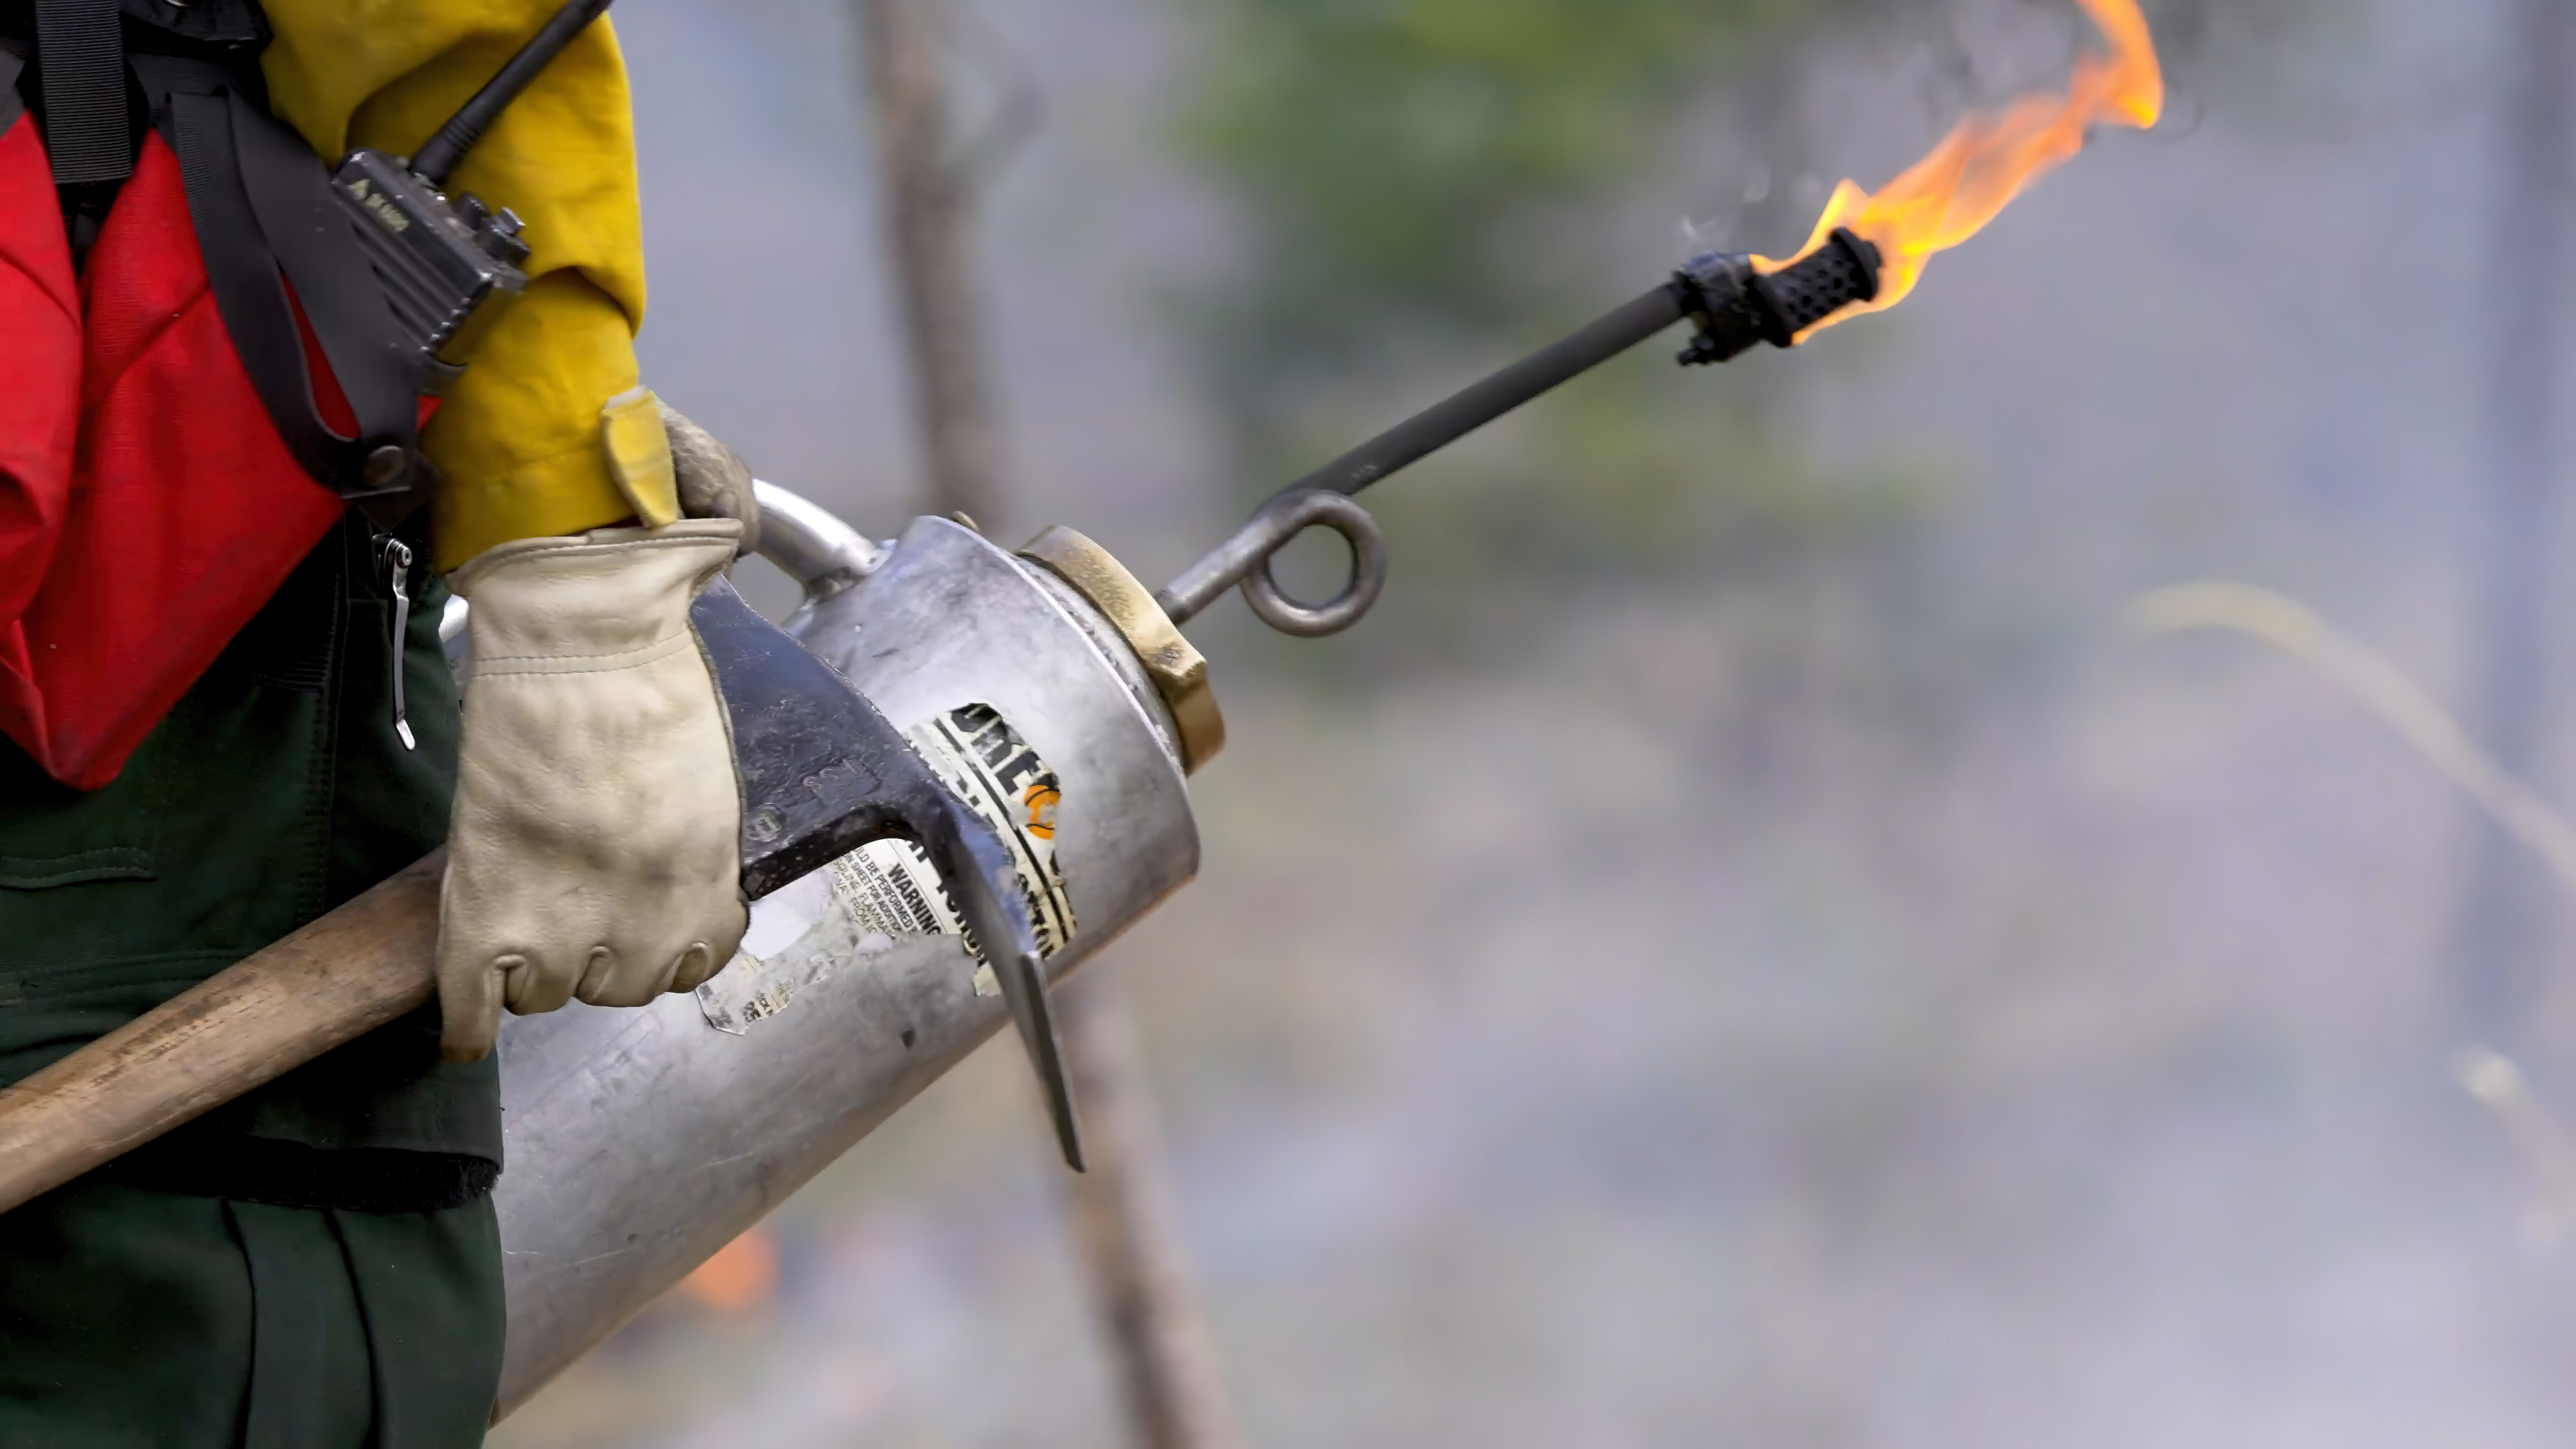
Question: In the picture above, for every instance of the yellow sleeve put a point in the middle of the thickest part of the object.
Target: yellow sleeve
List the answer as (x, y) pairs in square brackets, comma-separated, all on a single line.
[(518, 437)]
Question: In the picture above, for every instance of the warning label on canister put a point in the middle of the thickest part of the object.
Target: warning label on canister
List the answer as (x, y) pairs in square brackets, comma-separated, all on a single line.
[(891, 886), (888, 889)]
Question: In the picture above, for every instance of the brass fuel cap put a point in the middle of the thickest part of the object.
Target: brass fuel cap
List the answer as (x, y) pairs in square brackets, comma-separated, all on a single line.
[(1178, 670)]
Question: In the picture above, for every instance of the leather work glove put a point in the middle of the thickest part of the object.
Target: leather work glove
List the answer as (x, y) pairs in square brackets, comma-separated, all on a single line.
[(595, 849), (670, 468), (713, 480)]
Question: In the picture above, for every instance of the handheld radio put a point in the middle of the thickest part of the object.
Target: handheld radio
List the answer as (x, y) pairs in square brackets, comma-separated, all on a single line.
[(449, 265)]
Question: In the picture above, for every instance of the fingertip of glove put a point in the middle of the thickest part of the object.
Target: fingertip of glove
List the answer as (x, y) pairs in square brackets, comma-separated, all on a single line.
[(469, 1005), (704, 962), (467, 1029), (694, 966), (598, 976), (463, 1052), (514, 977)]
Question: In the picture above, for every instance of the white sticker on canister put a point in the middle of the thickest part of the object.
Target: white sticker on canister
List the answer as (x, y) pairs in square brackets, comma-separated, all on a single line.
[(746, 992), (889, 887)]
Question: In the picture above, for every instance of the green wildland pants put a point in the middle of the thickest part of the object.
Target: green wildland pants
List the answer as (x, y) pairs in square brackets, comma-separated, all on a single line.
[(316, 1264)]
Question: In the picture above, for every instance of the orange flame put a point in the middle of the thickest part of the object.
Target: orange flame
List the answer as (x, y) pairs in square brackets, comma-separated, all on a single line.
[(1989, 159)]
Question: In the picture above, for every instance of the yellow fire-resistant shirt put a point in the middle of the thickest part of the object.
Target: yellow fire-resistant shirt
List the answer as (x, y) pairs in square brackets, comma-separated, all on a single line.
[(518, 437)]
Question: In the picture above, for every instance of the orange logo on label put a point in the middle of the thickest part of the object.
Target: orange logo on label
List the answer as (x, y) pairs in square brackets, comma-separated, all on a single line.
[(1041, 800)]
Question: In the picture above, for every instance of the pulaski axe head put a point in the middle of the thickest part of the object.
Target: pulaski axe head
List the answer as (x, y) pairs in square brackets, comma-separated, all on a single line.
[(824, 773)]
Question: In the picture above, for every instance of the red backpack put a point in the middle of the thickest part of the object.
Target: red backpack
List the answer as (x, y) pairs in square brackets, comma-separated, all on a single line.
[(184, 416)]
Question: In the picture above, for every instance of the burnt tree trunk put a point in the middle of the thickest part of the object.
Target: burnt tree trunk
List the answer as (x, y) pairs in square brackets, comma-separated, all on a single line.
[(1122, 1217), (1122, 1224), (2503, 934), (927, 206)]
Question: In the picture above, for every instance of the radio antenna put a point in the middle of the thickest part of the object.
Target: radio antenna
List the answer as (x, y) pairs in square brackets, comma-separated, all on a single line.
[(467, 126)]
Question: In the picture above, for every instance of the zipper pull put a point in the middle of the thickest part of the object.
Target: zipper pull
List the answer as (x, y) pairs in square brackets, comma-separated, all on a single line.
[(398, 571)]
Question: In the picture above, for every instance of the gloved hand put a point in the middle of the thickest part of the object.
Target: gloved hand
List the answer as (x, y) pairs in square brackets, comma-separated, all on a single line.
[(595, 848), (670, 468), (713, 480)]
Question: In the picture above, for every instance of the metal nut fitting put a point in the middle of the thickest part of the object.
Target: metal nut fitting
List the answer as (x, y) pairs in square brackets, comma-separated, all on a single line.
[(1178, 670)]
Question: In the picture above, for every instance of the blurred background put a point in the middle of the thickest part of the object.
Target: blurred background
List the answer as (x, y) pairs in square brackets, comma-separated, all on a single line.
[(1743, 947)]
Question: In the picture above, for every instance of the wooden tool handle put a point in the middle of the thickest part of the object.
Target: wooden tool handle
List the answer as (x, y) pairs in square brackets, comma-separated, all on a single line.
[(354, 970)]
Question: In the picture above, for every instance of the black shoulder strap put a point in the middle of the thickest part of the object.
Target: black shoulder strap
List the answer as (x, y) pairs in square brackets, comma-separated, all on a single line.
[(264, 216), (315, 240), (224, 25), (81, 46), (12, 105)]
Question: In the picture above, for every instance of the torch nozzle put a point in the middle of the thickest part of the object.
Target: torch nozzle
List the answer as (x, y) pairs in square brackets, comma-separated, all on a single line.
[(1733, 305), (1736, 306)]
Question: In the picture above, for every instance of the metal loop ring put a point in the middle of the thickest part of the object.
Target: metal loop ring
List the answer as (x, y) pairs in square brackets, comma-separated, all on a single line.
[(1292, 515)]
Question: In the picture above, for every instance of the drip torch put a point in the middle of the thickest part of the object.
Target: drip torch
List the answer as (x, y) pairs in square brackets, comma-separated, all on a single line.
[(986, 786)]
